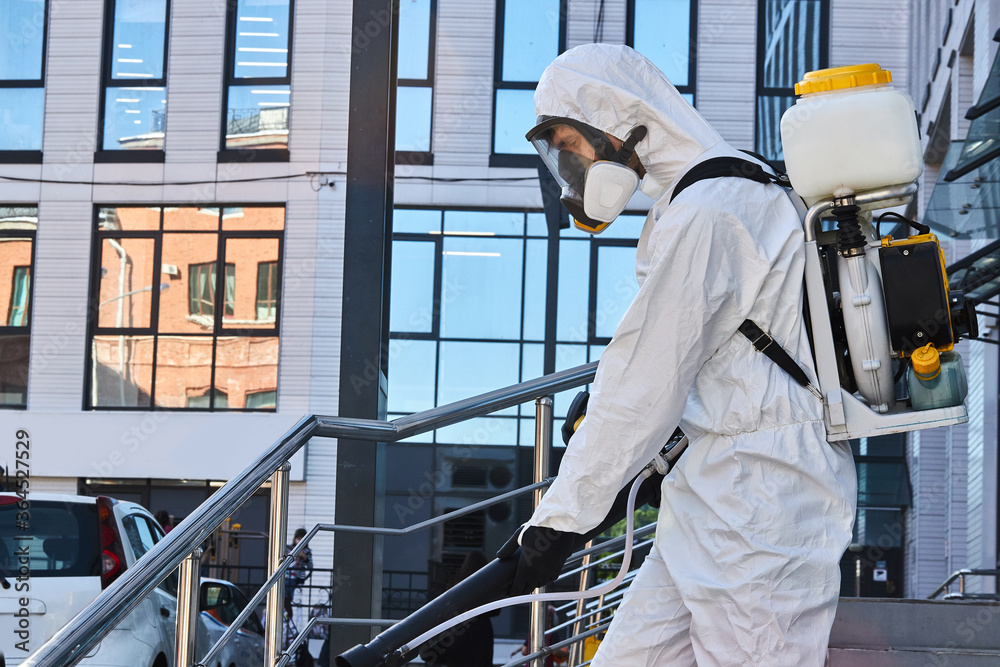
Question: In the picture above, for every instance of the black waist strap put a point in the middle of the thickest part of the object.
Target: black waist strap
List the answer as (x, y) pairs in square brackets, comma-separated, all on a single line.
[(764, 343)]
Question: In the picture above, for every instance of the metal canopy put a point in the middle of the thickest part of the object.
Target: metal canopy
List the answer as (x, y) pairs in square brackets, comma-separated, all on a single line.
[(982, 145), (977, 275), (969, 206)]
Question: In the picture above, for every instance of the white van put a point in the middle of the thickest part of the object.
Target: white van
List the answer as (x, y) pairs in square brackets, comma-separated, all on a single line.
[(57, 553)]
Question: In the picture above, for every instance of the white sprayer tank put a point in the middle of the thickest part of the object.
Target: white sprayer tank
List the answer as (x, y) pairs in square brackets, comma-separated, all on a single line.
[(850, 131)]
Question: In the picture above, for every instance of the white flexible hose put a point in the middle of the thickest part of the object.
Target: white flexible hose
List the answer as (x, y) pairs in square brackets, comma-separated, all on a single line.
[(549, 597)]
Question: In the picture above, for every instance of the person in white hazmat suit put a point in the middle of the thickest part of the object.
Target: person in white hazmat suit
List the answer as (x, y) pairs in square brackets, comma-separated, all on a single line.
[(757, 513)]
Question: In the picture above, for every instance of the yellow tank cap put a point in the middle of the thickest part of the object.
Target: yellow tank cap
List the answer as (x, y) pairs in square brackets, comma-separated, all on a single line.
[(837, 78), (926, 362)]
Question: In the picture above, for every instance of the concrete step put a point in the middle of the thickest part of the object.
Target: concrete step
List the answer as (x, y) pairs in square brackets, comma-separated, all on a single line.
[(874, 632)]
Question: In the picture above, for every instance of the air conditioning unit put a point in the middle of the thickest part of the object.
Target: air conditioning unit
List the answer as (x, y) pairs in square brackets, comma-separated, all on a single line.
[(171, 270)]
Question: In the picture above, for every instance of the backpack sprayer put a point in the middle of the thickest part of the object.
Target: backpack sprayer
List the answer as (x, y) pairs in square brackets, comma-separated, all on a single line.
[(879, 308), (877, 305)]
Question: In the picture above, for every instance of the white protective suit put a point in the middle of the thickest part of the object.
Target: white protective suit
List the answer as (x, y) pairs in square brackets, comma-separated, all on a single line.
[(756, 515)]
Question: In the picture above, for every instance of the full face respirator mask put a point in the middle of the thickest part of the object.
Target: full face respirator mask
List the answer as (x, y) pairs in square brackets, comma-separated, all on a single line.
[(595, 179)]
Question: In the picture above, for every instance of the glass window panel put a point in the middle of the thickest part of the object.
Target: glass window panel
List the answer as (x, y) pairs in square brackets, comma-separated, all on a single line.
[(662, 34), (484, 223), (469, 369), (245, 365), (191, 219), (253, 218), (20, 293), (624, 227), (411, 307), (537, 225), (183, 369), (21, 112), (573, 299), (413, 118), (128, 218), (481, 288), (791, 41), (14, 370), (261, 39), (769, 111), (412, 365), (527, 431), (121, 371), (127, 281), (480, 431), (514, 115), (205, 400), (414, 39), (532, 362), (535, 278), (595, 352), (530, 38), (267, 291), (188, 305), (257, 117), (22, 23), (139, 39), (882, 445), (262, 400), (15, 281), (567, 356), (616, 287), (244, 256), (532, 366), (416, 221)]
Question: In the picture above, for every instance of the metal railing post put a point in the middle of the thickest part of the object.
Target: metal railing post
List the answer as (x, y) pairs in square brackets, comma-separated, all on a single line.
[(576, 651), (277, 527), (543, 445), (188, 593)]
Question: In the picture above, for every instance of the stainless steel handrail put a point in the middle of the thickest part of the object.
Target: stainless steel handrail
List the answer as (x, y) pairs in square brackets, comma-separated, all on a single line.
[(97, 619), (276, 575), (960, 575)]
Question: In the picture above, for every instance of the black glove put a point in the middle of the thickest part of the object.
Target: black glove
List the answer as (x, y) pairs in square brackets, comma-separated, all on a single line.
[(543, 553)]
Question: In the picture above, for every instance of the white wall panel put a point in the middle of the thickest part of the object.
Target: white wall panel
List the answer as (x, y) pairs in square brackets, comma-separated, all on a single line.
[(727, 68)]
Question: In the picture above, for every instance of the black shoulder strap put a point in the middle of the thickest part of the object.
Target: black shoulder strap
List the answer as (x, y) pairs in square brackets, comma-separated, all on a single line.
[(734, 167), (763, 343), (727, 167)]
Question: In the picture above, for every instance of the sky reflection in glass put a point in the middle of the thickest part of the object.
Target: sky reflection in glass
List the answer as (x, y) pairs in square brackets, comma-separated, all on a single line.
[(530, 38), (22, 24), (515, 115), (139, 39), (413, 118), (21, 111), (662, 32), (414, 38), (481, 278)]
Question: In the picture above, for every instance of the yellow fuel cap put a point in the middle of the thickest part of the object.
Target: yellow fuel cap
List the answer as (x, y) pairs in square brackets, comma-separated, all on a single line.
[(837, 78), (926, 362)]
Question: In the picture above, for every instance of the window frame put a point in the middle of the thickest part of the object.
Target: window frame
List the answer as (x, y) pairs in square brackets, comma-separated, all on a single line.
[(423, 158), (229, 79), (218, 328), (437, 239), (691, 87), (9, 330), (101, 154), (30, 156), (760, 90), (515, 159)]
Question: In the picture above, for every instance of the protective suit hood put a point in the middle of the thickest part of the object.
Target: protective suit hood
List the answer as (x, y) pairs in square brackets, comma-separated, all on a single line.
[(614, 89)]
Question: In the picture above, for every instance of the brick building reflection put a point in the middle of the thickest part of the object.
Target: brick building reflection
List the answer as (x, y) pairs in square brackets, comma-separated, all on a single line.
[(17, 229), (175, 330)]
